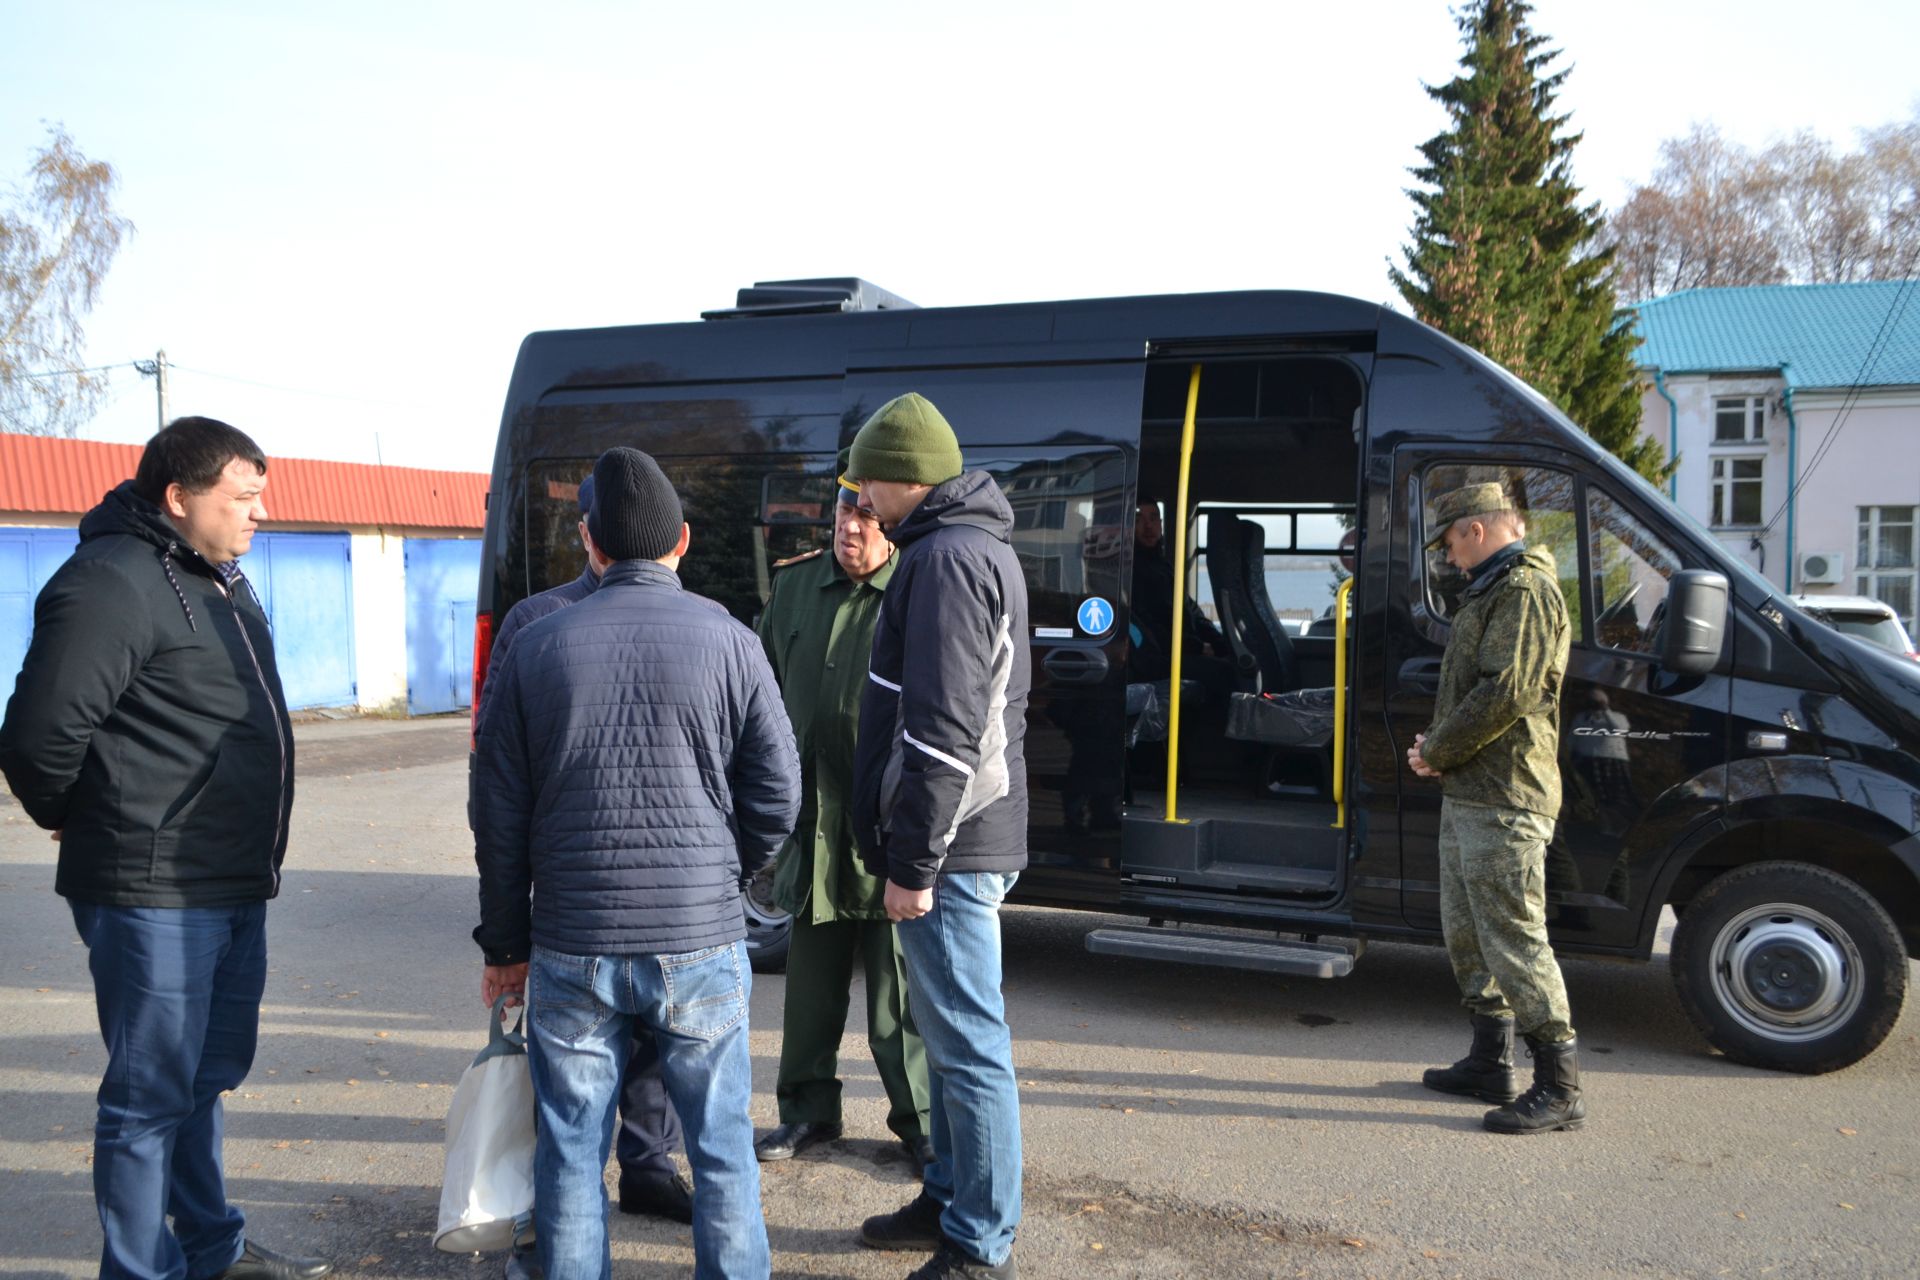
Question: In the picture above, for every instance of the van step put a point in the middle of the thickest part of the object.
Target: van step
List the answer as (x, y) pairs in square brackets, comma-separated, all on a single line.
[(1231, 951)]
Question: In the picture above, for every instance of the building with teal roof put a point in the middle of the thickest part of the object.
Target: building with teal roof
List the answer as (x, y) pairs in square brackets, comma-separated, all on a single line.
[(1795, 412)]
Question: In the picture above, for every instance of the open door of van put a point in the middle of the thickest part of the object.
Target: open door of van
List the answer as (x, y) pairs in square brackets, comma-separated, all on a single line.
[(1247, 516)]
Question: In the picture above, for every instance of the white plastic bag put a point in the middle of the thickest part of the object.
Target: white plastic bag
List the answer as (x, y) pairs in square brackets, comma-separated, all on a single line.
[(489, 1176)]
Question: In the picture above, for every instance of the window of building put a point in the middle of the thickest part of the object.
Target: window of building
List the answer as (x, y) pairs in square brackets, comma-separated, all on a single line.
[(1737, 496), (1631, 568), (1885, 556), (1739, 419)]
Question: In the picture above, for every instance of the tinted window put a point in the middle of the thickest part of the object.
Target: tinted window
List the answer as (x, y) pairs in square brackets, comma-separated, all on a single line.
[(1543, 496), (1070, 525), (1631, 568)]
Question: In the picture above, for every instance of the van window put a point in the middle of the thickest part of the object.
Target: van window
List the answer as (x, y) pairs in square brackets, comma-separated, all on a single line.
[(1631, 568), (1070, 525), (1543, 495)]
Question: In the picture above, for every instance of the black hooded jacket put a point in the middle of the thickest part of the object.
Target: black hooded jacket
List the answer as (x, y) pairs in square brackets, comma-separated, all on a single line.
[(148, 724), (940, 774)]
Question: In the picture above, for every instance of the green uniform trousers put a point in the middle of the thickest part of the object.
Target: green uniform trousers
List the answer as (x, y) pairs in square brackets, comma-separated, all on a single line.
[(819, 977), (1493, 911)]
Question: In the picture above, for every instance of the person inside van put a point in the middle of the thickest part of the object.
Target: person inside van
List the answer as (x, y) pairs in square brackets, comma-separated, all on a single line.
[(1151, 657)]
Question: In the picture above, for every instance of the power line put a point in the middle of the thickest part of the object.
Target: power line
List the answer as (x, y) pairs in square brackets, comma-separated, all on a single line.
[(68, 373)]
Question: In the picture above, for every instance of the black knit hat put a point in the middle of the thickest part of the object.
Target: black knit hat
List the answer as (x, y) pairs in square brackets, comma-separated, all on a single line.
[(636, 514)]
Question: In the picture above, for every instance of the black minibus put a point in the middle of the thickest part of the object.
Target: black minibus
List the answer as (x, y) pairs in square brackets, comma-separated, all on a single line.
[(1246, 799)]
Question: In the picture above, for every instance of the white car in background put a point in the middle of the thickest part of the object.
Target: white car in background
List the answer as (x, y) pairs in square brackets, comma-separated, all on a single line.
[(1861, 616)]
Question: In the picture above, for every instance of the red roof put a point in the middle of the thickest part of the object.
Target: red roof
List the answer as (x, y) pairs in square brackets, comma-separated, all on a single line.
[(41, 473)]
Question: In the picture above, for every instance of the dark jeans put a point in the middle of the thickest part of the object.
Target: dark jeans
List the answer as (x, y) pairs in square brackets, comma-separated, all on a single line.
[(178, 994), (649, 1130)]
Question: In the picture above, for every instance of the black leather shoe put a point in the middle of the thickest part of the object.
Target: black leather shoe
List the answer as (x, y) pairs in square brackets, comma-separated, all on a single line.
[(915, 1227), (921, 1149), (256, 1262), (659, 1195), (789, 1140)]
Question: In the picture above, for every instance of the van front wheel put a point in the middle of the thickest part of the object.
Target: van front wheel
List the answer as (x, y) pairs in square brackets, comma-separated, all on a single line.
[(1790, 967), (768, 927)]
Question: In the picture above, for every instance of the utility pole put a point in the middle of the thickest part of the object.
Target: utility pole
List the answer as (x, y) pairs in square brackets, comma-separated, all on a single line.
[(156, 369)]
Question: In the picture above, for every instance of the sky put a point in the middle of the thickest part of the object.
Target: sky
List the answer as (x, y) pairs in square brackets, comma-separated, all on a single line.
[(349, 215)]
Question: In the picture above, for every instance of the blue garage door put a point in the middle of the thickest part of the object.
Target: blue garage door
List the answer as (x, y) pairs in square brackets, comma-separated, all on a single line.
[(305, 583), (443, 581), (28, 558)]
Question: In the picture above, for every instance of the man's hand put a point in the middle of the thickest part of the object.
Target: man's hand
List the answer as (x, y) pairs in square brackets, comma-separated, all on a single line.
[(1416, 761), (508, 978), (55, 834), (907, 904)]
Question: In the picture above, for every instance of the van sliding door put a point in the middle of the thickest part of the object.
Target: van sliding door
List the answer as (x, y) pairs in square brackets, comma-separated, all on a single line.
[(1061, 441)]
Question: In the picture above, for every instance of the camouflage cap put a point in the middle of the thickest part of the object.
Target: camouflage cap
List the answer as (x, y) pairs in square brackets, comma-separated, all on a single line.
[(1467, 500)]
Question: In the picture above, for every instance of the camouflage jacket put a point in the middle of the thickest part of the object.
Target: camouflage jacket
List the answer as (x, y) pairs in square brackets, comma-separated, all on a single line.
[(1496, 721)]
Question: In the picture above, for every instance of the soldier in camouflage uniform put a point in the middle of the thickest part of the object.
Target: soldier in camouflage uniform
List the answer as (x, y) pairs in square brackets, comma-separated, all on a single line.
[(1495, 743)]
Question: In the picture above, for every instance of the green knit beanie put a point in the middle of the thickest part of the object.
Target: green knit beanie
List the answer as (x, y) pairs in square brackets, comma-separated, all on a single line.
[(906, 440)]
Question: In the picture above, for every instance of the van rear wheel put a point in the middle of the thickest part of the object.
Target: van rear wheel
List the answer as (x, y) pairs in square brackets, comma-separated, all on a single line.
[(1790, 967), (768, 927)]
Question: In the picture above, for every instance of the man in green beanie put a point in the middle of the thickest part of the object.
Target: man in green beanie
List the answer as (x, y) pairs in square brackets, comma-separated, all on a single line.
[(1494, 742), (940, 811), (818, 631)]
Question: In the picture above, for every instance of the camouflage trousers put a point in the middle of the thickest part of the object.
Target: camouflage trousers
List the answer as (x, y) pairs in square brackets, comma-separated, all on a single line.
[(1493, 910)]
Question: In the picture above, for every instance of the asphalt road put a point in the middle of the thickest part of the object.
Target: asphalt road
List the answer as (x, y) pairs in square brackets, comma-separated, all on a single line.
[(1177, 1121)]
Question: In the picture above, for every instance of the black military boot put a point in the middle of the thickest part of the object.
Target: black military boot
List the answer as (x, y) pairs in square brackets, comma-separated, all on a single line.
[(1554, 1102), (1486, 1072)]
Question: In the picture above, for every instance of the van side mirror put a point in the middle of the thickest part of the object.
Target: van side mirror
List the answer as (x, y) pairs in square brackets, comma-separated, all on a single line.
[(1696, 622)]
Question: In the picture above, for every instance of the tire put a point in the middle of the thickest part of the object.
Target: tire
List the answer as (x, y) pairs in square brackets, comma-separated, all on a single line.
[(1789, 967), (768, 927)]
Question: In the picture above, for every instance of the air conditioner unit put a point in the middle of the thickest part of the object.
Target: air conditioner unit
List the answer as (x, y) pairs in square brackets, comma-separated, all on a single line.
[(1822, 568)]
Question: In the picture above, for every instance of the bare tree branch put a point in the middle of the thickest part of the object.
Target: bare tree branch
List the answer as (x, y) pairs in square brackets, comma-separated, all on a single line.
[(57, 241)]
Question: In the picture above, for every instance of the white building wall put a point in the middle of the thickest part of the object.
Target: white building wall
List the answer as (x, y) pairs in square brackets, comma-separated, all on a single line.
[(380, 620), (1696, 395), (1874, 461)]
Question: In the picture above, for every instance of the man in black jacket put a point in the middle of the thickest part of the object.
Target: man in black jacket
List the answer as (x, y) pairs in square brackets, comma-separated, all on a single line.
[(149, 733), (635, 769), (940, 810)]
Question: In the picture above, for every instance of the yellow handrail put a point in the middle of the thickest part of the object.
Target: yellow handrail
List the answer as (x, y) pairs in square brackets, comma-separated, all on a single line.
[(1340, 600), (1179, 519)]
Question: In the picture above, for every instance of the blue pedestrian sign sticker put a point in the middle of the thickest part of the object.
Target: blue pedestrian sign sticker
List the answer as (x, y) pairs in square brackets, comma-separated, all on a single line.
[(1095, 616)]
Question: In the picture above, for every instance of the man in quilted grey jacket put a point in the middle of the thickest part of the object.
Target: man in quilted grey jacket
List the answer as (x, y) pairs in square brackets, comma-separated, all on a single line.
[(635, 769)]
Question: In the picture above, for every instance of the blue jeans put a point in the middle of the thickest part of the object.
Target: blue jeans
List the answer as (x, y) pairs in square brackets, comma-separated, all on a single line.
[(953, 977), (178, 994), (581, 1013)]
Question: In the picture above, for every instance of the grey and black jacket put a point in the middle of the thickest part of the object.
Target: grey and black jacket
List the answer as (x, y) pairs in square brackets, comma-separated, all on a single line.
[(941, 780), (148, 723)]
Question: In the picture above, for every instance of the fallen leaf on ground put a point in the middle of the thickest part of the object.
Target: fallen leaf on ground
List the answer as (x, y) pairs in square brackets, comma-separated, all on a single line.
[(1354, 1242), (1849, 1132)]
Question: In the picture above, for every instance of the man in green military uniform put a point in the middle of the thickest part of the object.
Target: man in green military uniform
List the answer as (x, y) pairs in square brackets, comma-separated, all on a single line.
[(818, 632), (1494, 742)]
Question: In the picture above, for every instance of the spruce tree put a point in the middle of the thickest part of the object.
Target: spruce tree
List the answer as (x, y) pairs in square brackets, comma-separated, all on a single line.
[(1505, 257)]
